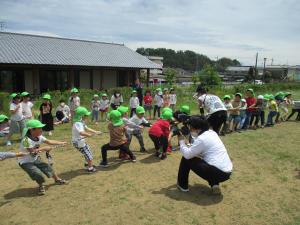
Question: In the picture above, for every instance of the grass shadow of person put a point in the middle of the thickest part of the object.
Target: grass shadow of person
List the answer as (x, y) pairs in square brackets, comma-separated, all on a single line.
[(199, 194), (25, 192), (150, 159)]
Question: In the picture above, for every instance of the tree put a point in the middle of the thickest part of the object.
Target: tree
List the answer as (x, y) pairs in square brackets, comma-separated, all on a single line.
[(209, 76), (195, 78), (170, 75), (223, 63)]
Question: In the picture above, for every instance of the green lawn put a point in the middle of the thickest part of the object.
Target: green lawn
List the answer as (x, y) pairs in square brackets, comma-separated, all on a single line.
[(264, 188)]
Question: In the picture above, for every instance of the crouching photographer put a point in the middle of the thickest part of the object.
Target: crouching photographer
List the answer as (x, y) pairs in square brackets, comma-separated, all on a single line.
[(207, 156)]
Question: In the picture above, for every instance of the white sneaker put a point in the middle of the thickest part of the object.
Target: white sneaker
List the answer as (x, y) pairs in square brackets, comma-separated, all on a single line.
[(182, 189), (216, 190), (50, 133), (8, 143)]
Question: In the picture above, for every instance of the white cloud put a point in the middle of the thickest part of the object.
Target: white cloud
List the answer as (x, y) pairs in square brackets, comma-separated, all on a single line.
[(236, 28)]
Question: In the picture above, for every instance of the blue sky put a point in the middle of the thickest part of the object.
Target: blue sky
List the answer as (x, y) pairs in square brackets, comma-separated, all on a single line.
[(217, 28)]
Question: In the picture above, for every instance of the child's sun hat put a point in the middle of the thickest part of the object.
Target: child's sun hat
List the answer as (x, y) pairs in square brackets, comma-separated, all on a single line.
[(140, 110)]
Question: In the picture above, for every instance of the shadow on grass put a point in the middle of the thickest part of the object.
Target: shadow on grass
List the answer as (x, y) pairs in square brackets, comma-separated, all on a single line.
[(24, 193), (150, 159), (198, 194)]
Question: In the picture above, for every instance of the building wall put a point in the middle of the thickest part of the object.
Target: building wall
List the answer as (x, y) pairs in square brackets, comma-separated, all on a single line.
[(109, 78), (28, 81), (84, 79), (97, 79)]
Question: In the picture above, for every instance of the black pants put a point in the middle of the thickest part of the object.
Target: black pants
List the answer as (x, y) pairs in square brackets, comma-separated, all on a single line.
[(132, 111), (217, 119), (211, 174), (156, 109), (161, 141), (124, 148), (293, 112)]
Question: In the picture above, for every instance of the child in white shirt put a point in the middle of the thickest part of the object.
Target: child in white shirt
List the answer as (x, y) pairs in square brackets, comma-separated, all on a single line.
[(74, 101), (17, 122), (104, 105), (79, 132), (158, 102), (95, 108), (173, 99), (134, 102), (26, 106)]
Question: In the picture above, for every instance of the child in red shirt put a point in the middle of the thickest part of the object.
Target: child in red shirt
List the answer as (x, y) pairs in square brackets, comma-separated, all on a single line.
[(159, 133), (148, 104)]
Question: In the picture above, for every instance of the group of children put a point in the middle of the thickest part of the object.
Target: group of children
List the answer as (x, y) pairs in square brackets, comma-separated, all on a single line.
[(247, 113), (123, 124)]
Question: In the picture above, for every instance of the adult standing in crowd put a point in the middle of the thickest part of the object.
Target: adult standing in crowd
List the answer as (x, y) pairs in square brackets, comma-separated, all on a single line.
[(139, 90), (217, 113), (207, 156)]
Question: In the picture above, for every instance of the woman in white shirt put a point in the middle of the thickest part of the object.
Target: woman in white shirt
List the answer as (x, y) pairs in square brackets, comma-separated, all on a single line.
[(207, 156)]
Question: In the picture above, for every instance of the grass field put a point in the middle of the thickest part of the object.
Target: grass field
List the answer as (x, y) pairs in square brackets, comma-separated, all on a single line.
[(264, 188)]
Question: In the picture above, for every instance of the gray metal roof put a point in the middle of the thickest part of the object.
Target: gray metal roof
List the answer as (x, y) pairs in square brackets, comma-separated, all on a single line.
[(32, 49)]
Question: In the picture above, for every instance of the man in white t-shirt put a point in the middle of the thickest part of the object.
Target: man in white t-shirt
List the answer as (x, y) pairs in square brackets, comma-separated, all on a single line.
[(17, 122), (217, 113), (207, 156)]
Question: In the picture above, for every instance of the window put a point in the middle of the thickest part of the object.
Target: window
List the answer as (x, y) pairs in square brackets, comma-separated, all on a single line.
[(12, 80)]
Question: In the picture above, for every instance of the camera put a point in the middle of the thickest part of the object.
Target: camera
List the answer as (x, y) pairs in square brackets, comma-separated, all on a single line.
[(180, 118)]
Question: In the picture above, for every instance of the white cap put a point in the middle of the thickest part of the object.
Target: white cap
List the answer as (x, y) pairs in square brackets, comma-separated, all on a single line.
[(260, 97), (243, 100)]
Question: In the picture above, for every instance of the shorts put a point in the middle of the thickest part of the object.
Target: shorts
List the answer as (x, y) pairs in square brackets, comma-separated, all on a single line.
[(86, 151), (36, 169), (147, 107), (235, 118), (16, 126)]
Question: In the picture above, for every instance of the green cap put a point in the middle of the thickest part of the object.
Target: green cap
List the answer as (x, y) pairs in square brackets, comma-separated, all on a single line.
[(185, 109), (251, 90), (82, 111), (25, 93), (140, 110), (172, 89), (166, 109), (74, 90), (14, 95), (166, 89), (287, 94), (96, 96), (158, 89), (2, 118), (271, 97), (115, 117), (31, 124), (134, 91), (47, 96), (239, 94), (104, 95), (123, 109), (167, 115), (279, 94), (226, 97), (266, 96)]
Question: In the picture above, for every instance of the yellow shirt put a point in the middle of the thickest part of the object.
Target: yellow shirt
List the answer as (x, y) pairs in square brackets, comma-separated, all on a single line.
[(273, 106)]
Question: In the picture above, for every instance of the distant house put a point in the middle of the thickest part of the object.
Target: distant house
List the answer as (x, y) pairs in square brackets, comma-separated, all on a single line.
[(183, 75), (294, 73), (39, 63), (236, 73), (156, 75)]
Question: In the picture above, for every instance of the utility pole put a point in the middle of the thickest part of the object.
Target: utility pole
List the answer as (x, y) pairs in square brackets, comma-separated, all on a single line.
[(264, 71), (255, 68)]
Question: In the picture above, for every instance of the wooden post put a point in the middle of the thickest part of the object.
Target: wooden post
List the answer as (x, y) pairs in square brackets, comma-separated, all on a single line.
[(148, 77)]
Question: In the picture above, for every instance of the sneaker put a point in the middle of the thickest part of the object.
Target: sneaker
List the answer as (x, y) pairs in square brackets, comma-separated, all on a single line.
[(60, 181), (157, 154), (133, 159), (142, 149), (91, 170), (8, 143), (182, 189), (42, 190), (163, 156), (216, 190), (103, 164)]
